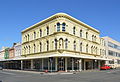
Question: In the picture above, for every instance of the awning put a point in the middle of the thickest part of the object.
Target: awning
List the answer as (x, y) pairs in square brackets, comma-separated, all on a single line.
[(61, 55)]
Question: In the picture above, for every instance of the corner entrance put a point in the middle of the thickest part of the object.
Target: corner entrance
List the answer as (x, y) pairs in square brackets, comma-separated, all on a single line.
[(61, 64)]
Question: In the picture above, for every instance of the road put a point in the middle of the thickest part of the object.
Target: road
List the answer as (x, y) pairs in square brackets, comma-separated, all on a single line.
[(96, 76)]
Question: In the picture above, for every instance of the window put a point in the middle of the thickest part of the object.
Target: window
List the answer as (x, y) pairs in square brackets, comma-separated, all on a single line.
[(87, 48), (34, 48), (66, 43), (25, 38), (63, 27), (58, 27), (74, 45), (95, 38), (86, 35), (81, 47), (40, 47), (96, 50), (40, 33), (34, 35), (74, 30), (61, 43), (111, 53), (100, 51), (92, 50), (47, 45), (24, 50), (92, 37), (111, 62), (28, 37), (29, 49), (47, 30), (56, 44), (80, 33)]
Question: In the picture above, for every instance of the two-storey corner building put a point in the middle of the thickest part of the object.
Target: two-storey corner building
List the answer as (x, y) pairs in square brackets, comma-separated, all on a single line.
[(62, 43), (112, 51)]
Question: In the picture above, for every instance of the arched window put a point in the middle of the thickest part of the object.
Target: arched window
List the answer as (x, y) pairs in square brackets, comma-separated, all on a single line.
[(100, 51), (28, 37), (29, 49), (96, 50), (47, 45), (92, 50), (34, 35), (81, 47), (66, 43), (87, 48), (95, 38), (80, 33), (47, 30), (58, 27), (56, 44), (86, 35), (92, 37), (40, 33), (34, 48), (74, 45), (63, 27), (25, 38), (61, 43), (40, 47), (24, 50), (74, 30)]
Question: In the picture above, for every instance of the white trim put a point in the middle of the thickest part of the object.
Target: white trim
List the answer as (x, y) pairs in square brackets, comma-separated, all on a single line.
[(59, 55)]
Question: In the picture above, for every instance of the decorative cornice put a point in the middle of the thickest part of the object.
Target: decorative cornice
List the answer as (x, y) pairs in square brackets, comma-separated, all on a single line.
[(58, 15)]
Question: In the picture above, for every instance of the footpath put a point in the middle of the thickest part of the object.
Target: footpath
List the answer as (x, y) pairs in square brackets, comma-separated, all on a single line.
[(49, 73)]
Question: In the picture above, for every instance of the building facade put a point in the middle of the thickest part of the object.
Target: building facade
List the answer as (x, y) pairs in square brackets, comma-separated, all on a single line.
[(112, 52), (11, 53), (18, 50), (62, 43), (6, 55), (2, 53)]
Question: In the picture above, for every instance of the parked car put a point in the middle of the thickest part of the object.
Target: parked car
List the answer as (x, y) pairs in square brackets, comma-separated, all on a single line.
[(105, 67), (112, 67), (1, 68)]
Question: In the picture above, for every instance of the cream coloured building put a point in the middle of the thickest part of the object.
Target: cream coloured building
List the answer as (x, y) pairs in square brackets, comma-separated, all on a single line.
[(62, 43), (112, 51)]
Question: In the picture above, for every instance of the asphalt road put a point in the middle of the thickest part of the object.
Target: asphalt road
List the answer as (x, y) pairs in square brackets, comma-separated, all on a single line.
[(96, 76)]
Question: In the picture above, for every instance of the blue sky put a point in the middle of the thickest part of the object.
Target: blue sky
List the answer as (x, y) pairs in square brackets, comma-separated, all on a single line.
[(16, 15)]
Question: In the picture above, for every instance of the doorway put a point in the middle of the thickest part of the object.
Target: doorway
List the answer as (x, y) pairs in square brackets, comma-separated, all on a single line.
[(61, 64)]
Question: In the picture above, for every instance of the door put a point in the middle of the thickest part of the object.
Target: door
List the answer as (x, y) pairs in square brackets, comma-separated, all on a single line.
[(61, 64)]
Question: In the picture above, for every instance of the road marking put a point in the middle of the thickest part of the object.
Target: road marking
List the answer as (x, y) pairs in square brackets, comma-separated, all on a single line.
[(8, 73)]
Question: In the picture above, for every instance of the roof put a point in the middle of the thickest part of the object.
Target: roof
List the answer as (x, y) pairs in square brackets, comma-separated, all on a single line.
[(63, 15)]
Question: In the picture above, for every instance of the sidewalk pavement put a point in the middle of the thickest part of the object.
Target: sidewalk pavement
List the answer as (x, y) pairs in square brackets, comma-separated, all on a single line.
[(50, 73)]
